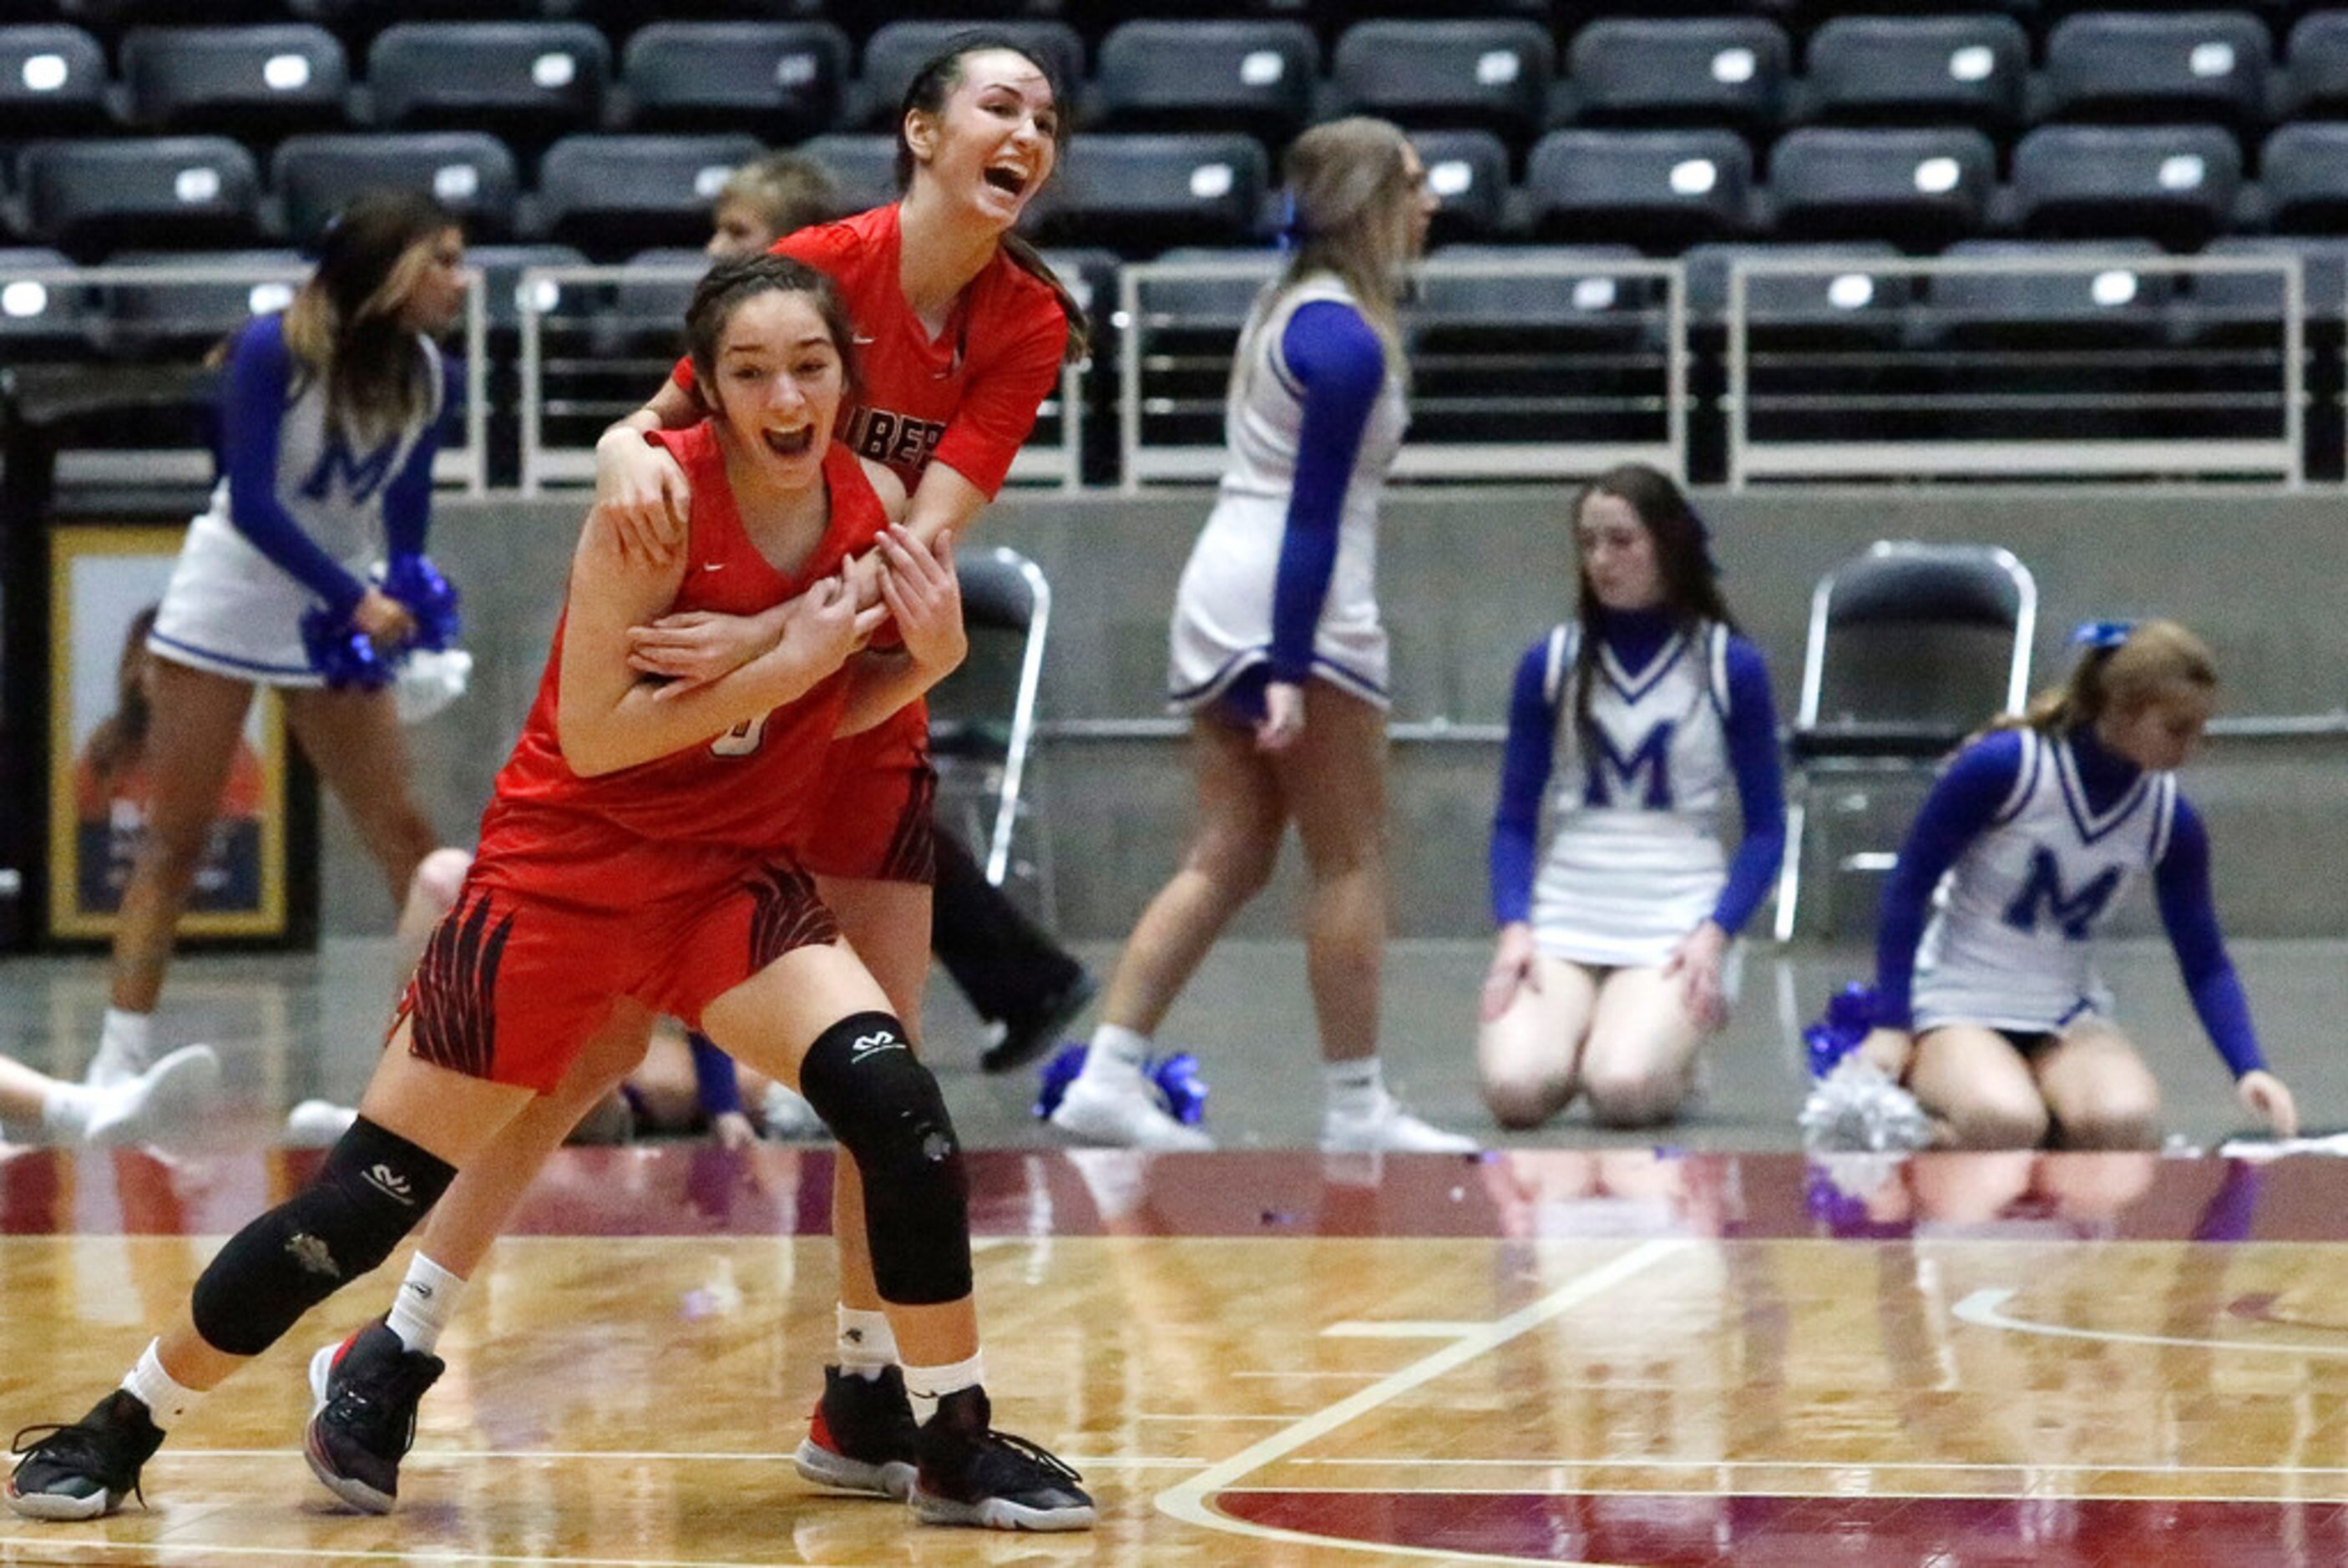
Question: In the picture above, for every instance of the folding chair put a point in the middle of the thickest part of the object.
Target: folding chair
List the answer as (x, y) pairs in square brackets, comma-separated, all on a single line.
[(983, 716), (1911, 647)]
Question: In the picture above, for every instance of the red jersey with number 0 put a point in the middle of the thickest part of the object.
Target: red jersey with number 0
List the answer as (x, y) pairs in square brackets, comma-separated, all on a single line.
[(966, 397), (743, 792)]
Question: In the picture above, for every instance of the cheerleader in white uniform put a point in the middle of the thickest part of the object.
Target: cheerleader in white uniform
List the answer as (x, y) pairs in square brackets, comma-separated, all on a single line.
[(1612, 957), (327, 420), (1278, 656), (1994, 1013)]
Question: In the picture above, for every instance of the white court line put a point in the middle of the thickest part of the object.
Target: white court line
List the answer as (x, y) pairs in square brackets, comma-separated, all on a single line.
[(1981, 1309), (1188, 1501)]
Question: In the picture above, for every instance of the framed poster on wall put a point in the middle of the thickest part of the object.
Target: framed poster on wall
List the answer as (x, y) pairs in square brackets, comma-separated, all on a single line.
[(104, 584)]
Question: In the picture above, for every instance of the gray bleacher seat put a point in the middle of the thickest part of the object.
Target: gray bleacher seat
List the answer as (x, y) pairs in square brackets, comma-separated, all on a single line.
[(1489, 74), (1916, 188), (514, 78), (2130, 65), (897, 50), (1656, 189), (52, 81), (783, 80), (180, 319), (1698, 71), (43, 316), (2177, 183), (90, 196), (470, 172), (2115, 303), (1253, 77), (1469, 172), (1139, 193), (2303, 177), (246, 81), (1884, 70), (2317, 69), (1848, 302), (862, 166), (501, 268), (611, 194)]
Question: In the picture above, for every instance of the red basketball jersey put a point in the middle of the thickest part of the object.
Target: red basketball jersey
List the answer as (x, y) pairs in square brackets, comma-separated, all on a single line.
[(966, 397), (745, 791)]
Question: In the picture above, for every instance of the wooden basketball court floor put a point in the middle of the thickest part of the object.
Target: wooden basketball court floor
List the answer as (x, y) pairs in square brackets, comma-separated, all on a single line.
[(1545, 1354)]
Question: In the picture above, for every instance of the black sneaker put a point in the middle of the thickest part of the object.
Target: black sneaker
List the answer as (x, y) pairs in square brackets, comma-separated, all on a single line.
[(862, 1435), (1025, 1039), (86, 1469), (367, 1390), (972, 1474)]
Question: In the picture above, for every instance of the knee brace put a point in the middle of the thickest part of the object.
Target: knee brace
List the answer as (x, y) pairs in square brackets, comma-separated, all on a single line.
[(885, 1106), (374, 1187)]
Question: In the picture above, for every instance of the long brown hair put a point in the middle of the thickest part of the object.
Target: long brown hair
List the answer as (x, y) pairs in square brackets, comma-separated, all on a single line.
[(732, 283), (927, 93), (344, 324), (2120, 668), (1347, 183), (1683, 559)]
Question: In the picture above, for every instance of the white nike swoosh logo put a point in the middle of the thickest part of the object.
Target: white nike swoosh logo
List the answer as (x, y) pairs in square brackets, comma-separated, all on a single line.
[(858, 339), (713, 566)]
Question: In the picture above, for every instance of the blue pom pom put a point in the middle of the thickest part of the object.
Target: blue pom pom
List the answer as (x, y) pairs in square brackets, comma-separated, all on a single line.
[(1181, 1092), (1849, 1017), (426, 595), (342, 654)]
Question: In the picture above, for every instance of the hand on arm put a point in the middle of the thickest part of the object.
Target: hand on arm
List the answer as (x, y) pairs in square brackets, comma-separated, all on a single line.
[(639, 487), (1512, 968), (921, 593), (1698, 960)]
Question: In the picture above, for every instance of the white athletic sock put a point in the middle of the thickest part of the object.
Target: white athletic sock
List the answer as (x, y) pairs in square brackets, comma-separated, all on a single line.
[(65, 1110), (1116, 1053), (867, 1346), (1356, 1088), (166, 1399), (426, 1302), (126, 1048), (926, 1386)]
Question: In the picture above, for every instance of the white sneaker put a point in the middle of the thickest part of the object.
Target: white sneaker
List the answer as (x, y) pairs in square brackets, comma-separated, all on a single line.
[(1124, 1113), (112, 1067), (318, 1124), (172, 1092), (1388, 1129), (791, 1119)]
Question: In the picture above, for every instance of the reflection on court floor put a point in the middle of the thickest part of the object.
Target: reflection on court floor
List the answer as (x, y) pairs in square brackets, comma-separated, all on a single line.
[(1596, 1356)]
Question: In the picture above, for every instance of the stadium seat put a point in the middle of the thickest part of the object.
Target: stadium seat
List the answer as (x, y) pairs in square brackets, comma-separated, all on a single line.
[(1490, 75), (501, 268), (86, 198), (1253, 77), (1730, 70), (245, 81), (111, 17), (863, 166), (2195, 65), (2235, 305), (472, 174), (1885, 71), (2318, 65), (42, 316), (612, 195), (1469, 171), (899, 50), (1659, 189), (511, 78), (1919, 188), (783, 80), (2115, 303), (1565, 309), (2175, 183), (183, 320), (645, 314), (2303, 177), (1138, 194), (52, 81), (1849, 303)]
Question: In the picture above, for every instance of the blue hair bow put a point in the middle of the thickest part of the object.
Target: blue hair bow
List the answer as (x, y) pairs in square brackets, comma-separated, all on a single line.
[(2103, 635), (1287, 237)]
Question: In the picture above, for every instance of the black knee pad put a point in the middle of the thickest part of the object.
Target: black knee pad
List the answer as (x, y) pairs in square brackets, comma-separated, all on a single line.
[(885, 1106), (373, 1188)]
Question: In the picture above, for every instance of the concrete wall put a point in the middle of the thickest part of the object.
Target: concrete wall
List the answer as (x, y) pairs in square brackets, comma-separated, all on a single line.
[(1469, 577)]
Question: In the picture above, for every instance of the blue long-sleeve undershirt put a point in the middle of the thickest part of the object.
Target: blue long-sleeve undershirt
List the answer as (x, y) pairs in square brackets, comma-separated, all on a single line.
[(1338, 366), (256, 391), (1960, 807), (1528, 759)]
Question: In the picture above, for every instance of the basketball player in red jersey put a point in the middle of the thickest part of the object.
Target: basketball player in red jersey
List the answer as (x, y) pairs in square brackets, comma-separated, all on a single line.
[(637, 856), (960, 333)]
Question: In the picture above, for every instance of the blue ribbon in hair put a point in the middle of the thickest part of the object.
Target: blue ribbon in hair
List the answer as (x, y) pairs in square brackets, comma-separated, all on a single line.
[(1288, 236), (2101, 636)]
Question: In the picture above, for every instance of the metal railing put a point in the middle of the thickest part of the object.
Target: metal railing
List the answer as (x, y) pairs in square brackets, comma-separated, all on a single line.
[(1509, 382), (598, 341), (173, 314), (1963, 391)]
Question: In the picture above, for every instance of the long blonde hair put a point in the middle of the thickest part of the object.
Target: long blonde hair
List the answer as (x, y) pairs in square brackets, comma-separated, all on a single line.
[(2124, 671), (343, 326), (1348, 189)]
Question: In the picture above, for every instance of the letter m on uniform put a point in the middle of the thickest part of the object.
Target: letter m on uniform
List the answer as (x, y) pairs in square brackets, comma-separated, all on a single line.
[(360, 477), (1645, 775), (2043, 889)]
